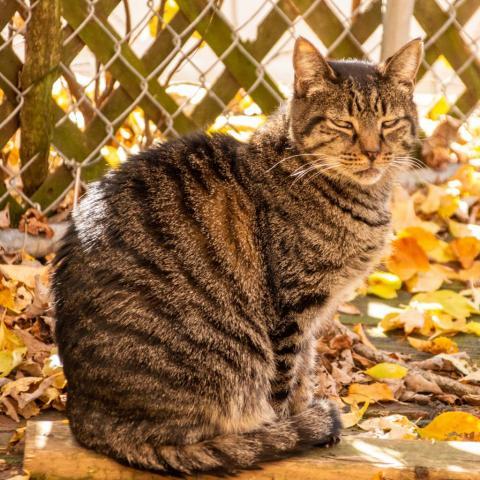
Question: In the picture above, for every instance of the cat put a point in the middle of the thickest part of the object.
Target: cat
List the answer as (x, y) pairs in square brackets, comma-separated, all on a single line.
[(193, 280)]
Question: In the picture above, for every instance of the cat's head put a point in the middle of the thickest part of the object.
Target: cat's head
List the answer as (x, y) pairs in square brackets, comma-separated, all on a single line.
[(355, 118)]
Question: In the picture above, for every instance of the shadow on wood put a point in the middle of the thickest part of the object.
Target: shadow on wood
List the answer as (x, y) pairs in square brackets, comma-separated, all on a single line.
[(51, 453)]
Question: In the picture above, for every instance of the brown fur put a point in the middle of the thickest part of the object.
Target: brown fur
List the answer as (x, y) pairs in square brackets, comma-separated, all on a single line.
[(194, 280)]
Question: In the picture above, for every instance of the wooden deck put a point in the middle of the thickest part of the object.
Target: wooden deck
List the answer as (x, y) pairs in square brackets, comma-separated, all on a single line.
[(51, 453)]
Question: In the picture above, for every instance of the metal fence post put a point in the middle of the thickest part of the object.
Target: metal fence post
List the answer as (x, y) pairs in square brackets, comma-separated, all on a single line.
[(397, 16)]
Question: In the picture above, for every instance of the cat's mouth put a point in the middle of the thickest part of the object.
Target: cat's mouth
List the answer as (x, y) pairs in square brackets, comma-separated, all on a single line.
[(369, 175)]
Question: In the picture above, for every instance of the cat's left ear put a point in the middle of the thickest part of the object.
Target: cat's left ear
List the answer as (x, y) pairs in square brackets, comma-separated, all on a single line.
[(402, 66)]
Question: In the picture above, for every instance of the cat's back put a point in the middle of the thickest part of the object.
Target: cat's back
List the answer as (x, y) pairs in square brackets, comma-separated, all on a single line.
[(171, 230)]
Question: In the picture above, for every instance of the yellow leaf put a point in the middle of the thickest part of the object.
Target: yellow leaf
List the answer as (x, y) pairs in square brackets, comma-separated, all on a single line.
[(473, 327), (25, 274), (461, 230), (436, 346), (440, 108), (170, 10), (391, 321), (9, 359), (12, 350), (7, 299), (446, 323), (447, 301), (407, 258), (375, 392), (387, 370), (442, 253), (452, 426), (466, 250), (354, 416), (448, 205), (383, 284), (111, 155)]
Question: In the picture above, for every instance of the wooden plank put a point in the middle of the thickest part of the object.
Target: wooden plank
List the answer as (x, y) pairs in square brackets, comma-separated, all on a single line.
[(124, 65), (51, 453), (450, 43), (218, 34)]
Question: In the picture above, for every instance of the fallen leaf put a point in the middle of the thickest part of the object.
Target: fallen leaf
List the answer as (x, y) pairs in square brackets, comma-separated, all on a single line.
[(354, 416), (394, 427), (5, 217), (417, 383), (387, 370), (462, 230), (358, 329), (383, 284), (473, 327), (473, 377), (12, 350), (435, 346), (25, 274), (349, 309), (448, 301), (35, 223), (374, 392), (407, 258), (409, 319), (466, 250), (452, 426)]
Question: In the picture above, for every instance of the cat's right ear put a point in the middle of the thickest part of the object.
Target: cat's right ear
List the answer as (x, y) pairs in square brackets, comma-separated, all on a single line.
[(312, 71)]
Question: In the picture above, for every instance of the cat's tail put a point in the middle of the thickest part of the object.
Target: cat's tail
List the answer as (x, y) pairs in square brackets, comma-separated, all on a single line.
[(318, 425)]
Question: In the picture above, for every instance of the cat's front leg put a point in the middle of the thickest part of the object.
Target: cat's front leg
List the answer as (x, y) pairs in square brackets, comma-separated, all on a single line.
[(302, 393)]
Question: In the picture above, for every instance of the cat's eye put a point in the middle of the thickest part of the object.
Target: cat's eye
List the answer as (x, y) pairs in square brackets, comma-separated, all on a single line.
[(390, 123), (342, 124)]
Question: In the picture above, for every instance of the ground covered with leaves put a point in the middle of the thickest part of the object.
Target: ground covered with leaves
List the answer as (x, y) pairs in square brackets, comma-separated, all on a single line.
[(405, 370)]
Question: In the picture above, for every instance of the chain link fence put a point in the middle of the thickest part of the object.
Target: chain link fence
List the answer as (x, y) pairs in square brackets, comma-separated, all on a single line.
[(85, 83)]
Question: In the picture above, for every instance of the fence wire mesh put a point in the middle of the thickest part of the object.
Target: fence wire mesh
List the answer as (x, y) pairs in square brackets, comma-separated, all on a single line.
[(132, 72)]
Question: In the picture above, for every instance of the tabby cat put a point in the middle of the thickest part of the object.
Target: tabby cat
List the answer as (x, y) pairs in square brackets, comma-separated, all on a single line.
[(194, 279)]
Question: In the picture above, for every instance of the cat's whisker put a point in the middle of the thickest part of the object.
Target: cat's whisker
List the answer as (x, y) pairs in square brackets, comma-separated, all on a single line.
[(292, 156), (328, 167)]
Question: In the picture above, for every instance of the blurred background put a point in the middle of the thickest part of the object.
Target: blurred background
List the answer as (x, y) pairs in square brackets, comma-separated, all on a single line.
[(85, 83)]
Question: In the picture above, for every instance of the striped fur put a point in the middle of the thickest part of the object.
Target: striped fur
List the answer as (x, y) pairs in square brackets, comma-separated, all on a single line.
[(194, 280)]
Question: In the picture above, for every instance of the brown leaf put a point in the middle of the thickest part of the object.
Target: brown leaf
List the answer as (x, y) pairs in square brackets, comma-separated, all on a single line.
[(419, 384), (5, 217), (358, 329), (34, 223), (340, 342)]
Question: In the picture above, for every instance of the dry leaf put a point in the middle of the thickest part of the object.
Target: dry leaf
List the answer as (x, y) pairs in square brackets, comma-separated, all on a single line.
[(394, 427), (435, 346), (407, 258), (374, 392), (417, 383), (452, 426), (354, 416), (25, 274), (387, 370), (35, 223), (466, 250), (383, 284), (358, 329)]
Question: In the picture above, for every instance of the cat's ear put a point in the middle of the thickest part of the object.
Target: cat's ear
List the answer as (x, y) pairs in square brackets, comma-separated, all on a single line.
[(402, 66), (312, 72)]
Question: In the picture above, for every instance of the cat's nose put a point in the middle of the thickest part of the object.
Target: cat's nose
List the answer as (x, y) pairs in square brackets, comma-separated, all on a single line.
[(372, 155)]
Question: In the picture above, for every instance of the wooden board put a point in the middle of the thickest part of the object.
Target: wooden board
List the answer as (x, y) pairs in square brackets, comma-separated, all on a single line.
[(51, 453)]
